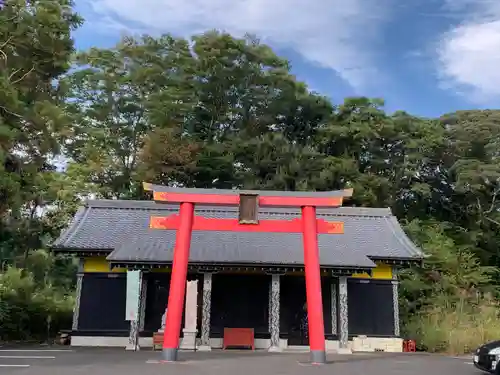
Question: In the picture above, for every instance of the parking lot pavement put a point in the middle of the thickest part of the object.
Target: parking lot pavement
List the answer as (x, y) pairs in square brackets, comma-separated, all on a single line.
[(120, 362)]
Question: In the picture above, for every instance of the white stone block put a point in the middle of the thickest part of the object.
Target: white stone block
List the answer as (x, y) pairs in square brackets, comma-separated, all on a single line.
[(188, 342)]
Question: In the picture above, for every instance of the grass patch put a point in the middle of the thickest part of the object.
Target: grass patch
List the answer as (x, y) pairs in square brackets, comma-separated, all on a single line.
[(456, 328)]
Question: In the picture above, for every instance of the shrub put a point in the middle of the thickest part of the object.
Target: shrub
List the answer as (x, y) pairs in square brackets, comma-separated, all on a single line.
[(456, 328), (31, 311), (448, 303)]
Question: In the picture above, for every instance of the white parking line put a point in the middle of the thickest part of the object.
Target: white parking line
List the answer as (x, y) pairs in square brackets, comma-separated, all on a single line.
[(27, 357), (35, 350), (34, 354)]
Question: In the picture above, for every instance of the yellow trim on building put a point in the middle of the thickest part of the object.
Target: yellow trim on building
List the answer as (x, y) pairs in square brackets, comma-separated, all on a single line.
[(99, 264), (381, 272)]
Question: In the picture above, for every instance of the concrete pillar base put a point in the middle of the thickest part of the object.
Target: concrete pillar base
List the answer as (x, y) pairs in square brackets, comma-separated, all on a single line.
[(318, 357), (169, 355), (188, 340)]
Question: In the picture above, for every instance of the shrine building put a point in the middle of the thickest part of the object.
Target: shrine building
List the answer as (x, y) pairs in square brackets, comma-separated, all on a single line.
[(251, 252)]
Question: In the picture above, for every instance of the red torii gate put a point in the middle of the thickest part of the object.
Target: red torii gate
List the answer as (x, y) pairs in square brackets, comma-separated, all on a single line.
[(185, 222)]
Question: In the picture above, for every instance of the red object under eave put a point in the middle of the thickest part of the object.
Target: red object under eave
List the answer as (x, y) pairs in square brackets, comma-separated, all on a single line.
[(409, 346)]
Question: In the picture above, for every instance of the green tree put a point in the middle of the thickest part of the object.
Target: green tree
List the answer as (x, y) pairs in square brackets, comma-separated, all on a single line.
[(35, 47), (213, 98), (385, 158), (113, 95), (474, 172)]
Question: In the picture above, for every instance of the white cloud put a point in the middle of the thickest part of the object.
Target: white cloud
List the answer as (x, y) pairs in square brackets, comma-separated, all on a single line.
[(335, 34), (469, 53)]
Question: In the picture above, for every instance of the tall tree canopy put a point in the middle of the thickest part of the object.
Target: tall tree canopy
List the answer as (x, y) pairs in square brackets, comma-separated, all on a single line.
[(35, 50), (217, 111)]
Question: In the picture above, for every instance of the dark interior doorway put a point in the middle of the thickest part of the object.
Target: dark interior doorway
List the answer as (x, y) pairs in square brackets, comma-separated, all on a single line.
[(156, 300), (240, 301), (293, 300), (293, 313)]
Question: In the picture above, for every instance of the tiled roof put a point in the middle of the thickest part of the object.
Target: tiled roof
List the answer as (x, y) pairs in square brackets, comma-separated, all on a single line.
[(123, 228)]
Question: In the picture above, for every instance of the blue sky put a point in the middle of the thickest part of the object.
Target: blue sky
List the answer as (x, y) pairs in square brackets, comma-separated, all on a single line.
[(427, 57)]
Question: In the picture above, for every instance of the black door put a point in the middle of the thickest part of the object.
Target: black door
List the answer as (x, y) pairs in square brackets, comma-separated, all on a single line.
[(102, 303), (376, 297)]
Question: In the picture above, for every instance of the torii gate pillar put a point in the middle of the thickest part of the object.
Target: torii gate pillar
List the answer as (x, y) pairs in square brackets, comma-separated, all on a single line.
[(178, 283), (313, 286)]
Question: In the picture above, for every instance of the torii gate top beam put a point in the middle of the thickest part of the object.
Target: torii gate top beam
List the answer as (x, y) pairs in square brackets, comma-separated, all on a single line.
[(232, 197)]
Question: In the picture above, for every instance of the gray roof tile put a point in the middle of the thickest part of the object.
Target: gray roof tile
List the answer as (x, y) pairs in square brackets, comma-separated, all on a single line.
[(123, 226)]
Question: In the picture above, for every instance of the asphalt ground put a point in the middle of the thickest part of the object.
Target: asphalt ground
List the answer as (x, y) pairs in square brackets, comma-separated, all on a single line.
[(115, 361)]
